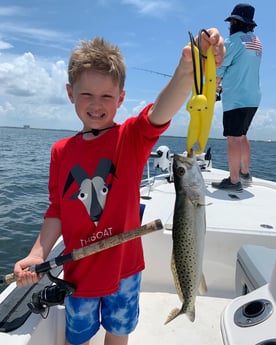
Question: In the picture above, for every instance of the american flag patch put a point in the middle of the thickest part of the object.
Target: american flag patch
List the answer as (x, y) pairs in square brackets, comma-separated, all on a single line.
[(252, 42)]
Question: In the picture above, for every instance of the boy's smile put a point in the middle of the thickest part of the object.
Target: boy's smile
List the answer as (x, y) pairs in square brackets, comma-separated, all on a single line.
[(96, 97)]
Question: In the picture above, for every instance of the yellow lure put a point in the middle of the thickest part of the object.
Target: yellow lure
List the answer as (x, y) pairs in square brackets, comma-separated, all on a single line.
[(201, 106)]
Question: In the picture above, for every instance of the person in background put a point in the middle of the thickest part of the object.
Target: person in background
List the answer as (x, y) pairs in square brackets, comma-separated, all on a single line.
[(238, 77)]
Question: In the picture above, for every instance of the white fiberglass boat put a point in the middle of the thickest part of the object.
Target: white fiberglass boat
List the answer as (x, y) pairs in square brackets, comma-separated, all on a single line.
[(240, 251)]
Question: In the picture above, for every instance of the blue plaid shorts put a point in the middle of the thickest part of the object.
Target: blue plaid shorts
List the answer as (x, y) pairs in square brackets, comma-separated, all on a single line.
[(118, 313)]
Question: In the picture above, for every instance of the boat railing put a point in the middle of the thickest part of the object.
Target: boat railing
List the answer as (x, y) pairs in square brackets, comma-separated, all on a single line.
[(159, 165), (159, 160)]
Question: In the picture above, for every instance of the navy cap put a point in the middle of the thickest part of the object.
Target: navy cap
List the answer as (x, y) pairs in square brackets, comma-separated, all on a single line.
[(244, 13)]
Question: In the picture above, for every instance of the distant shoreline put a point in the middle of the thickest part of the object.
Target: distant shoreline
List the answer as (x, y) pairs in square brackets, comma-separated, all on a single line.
[(76, 131), (40, 129)]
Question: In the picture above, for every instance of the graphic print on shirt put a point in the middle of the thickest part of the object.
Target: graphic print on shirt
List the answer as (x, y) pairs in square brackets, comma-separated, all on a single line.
[(252, 43), (92, 191)]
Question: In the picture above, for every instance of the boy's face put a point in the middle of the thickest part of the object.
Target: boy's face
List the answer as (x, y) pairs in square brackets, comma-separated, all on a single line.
[(96, 98)]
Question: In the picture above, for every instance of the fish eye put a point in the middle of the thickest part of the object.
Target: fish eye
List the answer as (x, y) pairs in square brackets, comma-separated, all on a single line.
[(180, 171), (82, 196)]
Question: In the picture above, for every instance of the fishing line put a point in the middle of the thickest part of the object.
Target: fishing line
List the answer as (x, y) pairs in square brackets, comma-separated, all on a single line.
[(199, 90), (152, 71)]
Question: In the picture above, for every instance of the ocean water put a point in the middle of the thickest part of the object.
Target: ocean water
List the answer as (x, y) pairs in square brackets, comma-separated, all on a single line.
[(24, 164)]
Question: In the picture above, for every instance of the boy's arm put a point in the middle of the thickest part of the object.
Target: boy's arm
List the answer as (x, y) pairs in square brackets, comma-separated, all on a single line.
[(50, 232), (172, 97)]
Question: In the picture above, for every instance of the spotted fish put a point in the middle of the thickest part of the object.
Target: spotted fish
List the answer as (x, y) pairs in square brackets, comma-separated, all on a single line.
[(189, 228)]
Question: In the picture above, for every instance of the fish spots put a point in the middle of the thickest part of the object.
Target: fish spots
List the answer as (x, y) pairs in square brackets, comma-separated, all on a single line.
[(188, 233)]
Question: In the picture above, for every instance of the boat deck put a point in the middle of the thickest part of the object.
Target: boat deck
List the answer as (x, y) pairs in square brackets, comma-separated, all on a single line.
[(181, 331), (232, 220), (241, 210)]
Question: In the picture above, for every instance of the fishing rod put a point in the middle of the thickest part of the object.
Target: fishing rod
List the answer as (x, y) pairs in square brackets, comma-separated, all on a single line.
[(218, 92), (80, 253), (152, 71)]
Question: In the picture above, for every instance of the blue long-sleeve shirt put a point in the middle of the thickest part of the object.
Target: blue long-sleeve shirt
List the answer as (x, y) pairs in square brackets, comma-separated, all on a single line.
[(240, 71)]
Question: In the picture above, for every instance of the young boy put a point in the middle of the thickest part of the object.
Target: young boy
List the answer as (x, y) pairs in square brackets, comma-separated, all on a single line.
[(94, 189)]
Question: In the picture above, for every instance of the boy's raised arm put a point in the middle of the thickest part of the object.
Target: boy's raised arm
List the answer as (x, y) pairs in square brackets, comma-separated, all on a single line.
[(172, 97)]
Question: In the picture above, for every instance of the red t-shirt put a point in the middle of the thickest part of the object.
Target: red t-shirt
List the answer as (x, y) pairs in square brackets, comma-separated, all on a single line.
[(94, 190)]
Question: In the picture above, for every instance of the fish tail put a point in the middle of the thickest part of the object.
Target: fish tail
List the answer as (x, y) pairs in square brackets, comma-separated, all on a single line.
[(176, 312), (173, 314)]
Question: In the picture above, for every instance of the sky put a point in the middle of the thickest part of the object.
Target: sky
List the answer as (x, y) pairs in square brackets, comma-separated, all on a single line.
[(36, 38)]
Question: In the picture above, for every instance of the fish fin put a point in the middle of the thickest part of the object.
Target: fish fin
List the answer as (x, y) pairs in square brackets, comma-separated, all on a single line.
[(191, 314), (176, 280), (176, 312), (196, 203), (173, 314), (202, 285)]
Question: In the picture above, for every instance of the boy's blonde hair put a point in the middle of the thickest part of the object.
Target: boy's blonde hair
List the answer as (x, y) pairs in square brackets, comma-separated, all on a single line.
[(97, 55)]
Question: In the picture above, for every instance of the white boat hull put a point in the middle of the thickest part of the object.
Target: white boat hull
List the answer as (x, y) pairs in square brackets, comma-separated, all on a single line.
[(233, 219)]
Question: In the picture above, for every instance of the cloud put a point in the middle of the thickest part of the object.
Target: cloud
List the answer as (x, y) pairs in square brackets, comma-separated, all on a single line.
[(25, 76), (5, 45), (37, 35), (139, 107), (15, 26), (33, 91), (6, 107), (127, 109), (154, 8), (9, 11)]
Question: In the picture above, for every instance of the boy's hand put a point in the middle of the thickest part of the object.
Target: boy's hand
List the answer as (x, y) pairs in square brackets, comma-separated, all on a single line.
[(214, 39), (172, 97), (25, 277)]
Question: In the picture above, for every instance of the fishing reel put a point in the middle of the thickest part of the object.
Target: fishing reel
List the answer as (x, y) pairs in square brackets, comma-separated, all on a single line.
[(50, 296)]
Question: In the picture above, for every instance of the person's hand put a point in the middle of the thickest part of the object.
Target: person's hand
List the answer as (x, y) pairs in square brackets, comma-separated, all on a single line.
[(22, 275), (217, 42), (214, 40)]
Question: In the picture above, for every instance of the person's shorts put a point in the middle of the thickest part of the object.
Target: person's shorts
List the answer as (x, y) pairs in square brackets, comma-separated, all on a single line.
[(118, 313), (237, 121)]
